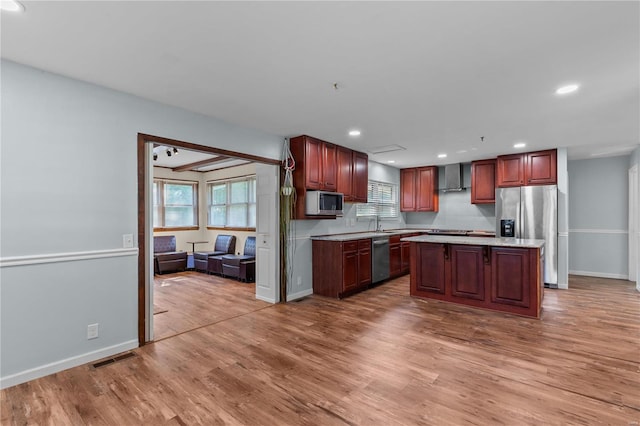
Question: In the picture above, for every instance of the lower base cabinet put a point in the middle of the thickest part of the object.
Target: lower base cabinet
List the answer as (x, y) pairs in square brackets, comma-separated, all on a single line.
[(499, 278), (341, 268)]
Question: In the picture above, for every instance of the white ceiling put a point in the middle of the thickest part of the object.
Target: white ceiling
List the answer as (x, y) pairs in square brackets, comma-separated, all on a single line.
[(433, 77)]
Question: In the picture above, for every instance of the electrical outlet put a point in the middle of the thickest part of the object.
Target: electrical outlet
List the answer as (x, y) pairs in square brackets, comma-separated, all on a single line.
[(92, 331), (127, 240)]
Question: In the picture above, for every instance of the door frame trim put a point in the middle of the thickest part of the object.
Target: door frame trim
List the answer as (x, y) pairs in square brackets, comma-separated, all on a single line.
[(142, 164)]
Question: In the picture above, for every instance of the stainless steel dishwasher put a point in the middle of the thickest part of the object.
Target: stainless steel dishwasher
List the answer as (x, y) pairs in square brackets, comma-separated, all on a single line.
[(380, 263)]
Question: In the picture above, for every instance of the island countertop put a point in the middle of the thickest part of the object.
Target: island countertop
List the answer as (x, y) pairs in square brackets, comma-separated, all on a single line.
[(476, 241)]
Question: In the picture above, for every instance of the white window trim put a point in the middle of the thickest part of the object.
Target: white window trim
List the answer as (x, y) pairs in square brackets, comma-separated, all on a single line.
[(228, 183)]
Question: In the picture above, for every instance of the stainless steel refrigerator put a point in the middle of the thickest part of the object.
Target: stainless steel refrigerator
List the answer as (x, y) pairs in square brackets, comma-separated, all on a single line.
[(531, 212)]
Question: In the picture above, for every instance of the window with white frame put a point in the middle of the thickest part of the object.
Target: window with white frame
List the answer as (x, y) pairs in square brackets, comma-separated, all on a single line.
[(382, 201), (232, 203), (175, 204)]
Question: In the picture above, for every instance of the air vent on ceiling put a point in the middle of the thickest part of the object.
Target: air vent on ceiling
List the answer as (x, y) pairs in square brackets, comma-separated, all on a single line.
[(386, 148)]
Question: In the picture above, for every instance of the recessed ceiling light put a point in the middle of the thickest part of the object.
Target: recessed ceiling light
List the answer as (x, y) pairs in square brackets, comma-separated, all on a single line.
[(520, 145), (442, 155), (354, 133), (391, 161), (11, 6), (569, 88)]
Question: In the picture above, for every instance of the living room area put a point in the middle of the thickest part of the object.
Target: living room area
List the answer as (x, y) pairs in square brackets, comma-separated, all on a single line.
[(204, 221)]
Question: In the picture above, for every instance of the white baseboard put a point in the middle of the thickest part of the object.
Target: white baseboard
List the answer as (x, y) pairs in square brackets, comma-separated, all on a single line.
[(54, 367), (563, 286), (299, 295), (599, 275), (266, 299)]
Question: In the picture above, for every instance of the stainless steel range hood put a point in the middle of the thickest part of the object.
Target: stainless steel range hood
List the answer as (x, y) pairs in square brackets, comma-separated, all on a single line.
[(453, 178)]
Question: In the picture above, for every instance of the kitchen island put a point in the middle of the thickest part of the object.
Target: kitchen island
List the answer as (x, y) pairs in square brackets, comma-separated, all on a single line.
[(502, 274)]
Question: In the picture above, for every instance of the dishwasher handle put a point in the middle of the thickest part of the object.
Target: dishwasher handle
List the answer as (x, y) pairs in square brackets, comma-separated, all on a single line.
[(380, 243)]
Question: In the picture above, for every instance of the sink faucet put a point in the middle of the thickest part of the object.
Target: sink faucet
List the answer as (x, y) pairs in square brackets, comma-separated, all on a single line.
[(378, 224)]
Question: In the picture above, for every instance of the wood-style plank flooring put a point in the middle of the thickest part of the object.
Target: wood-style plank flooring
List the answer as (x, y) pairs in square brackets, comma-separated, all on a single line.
[(188, 300), (377, 358)]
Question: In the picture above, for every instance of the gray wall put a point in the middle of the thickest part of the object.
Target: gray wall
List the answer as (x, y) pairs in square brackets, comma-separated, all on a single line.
[(456, 210), (69, 192), (598, 217)]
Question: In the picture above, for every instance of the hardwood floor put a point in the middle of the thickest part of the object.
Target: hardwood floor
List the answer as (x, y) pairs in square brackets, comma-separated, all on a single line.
[(379, 357), (189, 300)]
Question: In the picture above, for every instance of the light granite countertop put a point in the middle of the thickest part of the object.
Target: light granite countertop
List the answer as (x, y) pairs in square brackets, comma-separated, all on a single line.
[(361, 235), (477, 241)]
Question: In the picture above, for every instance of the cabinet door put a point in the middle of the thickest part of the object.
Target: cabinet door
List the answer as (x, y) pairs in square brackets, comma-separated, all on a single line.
[(510, 170), (329, 167), (360, 177), (313, 163), (483, 182), (408, 190), (427, 189), (405, 256), (541, 168), (510, 275), (345, 172), (467, 271), (430, 268), (395, 260), (364, 262), (349, 270)]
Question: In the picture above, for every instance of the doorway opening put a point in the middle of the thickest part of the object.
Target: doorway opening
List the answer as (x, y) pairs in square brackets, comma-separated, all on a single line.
[(153, 148)]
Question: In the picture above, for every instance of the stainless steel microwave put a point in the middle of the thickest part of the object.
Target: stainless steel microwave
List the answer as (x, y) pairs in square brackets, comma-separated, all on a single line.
[(324, 203)]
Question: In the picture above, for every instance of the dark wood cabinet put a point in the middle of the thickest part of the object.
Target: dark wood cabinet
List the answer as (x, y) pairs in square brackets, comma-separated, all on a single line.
[(364, 262), (345, 172), (483, 182), (541, 168), (395, 256), (510, 170), (405, 257), (507, 279), (427, 268), (316, 163), (350, 279), (321, 165), (510, 276), (531, 168), (360, 177), (352, 174), (467, 271), (408, 190), (419, 189), (348, 260)]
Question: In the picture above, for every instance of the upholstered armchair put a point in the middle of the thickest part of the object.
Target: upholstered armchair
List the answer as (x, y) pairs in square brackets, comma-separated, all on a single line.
[(225, 244), (242, 266), (165, 256)]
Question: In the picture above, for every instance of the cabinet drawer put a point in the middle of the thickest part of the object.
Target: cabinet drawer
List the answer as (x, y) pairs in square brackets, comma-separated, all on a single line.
[(364, 244), (394, 239), (350, 246)]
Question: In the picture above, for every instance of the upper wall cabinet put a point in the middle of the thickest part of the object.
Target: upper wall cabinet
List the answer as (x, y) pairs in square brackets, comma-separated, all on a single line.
[(353, 175), (483, 182), (532, 168), (321, 165), (318, 160), (419, 189)]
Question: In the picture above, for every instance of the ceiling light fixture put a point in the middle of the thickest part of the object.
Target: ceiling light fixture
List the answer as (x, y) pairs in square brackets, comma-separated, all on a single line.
[(155, 156), (442, 155), (391, 161), (520, 145), (11, 6), (168, 152), (175, 150), (569, 88), (354, 133)]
